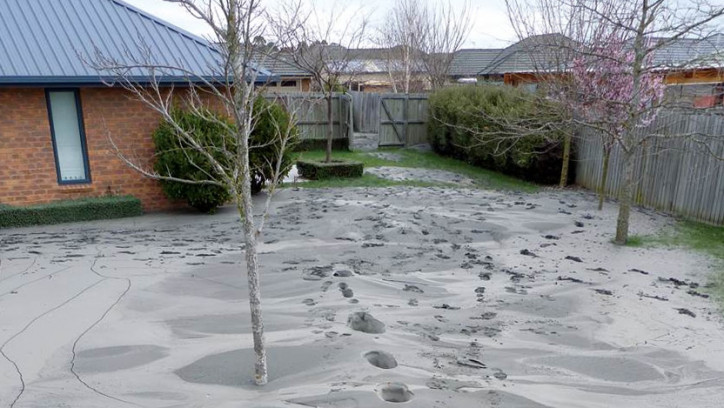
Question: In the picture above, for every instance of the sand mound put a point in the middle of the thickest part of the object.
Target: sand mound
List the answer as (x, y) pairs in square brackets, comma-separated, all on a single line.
[(381, 359), (365, 322)]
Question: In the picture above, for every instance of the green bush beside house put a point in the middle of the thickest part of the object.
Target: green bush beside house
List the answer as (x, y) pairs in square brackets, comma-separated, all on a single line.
[(178, 158)]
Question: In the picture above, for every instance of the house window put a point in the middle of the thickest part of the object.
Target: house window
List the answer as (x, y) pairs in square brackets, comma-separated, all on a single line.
[(289, 84), (66, 129)]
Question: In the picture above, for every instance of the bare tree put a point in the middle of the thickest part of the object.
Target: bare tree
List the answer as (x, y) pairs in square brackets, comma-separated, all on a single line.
[(402, 35), (446, 31), (420, 40), (323, 45), (644, 30), (237, 26)]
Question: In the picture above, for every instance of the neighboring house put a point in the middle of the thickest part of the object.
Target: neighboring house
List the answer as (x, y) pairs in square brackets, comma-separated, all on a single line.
[(520, 63), (693, 67), (288, 76), (467, 64), (374, 69), (58, 113), (695, 71), (380, 70)]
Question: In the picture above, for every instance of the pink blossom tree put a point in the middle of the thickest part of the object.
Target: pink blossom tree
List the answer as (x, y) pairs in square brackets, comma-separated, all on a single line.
[(601, 74), (616, 85)]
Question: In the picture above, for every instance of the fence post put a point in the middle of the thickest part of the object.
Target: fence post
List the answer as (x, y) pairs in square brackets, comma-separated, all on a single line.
[(406, 118), (350, 117)]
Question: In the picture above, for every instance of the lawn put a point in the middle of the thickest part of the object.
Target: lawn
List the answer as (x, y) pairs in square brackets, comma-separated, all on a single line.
[(414, 159), (700, 237)]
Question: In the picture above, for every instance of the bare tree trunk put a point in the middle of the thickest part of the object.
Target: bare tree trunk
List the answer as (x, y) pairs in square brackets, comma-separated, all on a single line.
[(245, 208), (626, 199), (604, 178), (566, 159), (330, 127), (407, 71)]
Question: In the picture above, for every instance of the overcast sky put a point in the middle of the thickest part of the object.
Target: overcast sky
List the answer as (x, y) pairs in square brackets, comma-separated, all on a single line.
[(491, 28)]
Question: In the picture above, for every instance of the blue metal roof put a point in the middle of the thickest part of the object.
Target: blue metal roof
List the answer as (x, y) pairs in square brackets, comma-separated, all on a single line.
[(45, 42)]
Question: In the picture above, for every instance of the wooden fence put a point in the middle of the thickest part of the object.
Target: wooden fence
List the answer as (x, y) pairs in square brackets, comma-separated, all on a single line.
[(673, 173), (311, 111), (399, 119)]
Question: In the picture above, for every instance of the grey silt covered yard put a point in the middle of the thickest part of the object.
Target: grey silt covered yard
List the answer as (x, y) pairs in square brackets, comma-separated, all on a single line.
[(485, 299)]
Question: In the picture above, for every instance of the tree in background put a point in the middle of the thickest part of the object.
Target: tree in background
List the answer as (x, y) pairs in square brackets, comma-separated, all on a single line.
[(401, 36), (313, 42), (420, 41), (447, 29)]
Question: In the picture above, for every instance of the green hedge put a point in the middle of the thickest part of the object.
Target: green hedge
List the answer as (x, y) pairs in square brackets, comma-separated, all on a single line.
[(314, 170), (320, 144), (467, 123), (86, 209)]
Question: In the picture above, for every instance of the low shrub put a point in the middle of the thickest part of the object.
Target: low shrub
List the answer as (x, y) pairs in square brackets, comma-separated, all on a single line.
[(86, 209), (176, 157), (317, 170), (478, 124)]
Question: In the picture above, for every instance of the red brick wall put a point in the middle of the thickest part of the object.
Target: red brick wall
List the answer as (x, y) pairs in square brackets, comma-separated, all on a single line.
[(27, 162)]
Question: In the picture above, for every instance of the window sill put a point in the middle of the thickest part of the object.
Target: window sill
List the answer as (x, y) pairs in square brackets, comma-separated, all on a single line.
[(75, 188)]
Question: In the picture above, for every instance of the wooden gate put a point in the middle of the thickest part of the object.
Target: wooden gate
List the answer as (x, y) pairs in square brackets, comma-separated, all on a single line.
[(403, 119), (399, 119)]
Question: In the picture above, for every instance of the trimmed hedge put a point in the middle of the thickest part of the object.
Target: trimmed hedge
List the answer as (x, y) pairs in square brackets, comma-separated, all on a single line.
[(321, 144), (315, 170), (86, 209), (461, 128)]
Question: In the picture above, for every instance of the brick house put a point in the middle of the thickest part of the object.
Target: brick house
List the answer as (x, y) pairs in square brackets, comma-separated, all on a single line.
[(56, 112)]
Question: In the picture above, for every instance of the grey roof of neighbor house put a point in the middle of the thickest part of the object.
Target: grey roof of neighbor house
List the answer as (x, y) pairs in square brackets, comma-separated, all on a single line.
[(528, 55), (543, 53), (45, 42), (468, 62), (282, 66), (691, 53)]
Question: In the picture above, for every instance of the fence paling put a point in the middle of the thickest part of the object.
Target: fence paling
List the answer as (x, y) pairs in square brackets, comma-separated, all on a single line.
[(673, 173)]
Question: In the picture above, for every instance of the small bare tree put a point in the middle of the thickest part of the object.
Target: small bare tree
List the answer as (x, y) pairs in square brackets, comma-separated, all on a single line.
[(420, 40), (401, 36), (446, 31), (323, 45), (229, 89)]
